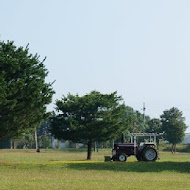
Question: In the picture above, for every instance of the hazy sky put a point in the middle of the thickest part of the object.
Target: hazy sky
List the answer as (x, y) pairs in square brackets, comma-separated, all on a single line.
[(139, 48)]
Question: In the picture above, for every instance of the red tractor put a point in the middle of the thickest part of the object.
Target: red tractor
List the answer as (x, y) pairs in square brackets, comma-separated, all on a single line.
[(145, 151)]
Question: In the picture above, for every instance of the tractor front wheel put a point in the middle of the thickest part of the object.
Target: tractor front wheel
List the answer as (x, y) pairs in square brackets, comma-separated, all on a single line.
[(122, 157)]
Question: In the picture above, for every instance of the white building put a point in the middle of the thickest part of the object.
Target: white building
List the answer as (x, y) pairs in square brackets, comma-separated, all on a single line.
[(60, 144), (65, 144)]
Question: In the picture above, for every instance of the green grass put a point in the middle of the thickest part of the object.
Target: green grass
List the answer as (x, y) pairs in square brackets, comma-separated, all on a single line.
[(179, 147), (26, 169)]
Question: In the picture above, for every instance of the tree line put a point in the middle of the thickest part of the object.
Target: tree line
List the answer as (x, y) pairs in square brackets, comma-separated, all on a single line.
[(93, 117)]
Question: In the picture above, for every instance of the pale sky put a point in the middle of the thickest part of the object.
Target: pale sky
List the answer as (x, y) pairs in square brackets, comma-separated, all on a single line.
[(139, 48)]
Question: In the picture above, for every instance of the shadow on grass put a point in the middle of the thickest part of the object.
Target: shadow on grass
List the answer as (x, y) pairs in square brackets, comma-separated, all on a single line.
[(181, 167)]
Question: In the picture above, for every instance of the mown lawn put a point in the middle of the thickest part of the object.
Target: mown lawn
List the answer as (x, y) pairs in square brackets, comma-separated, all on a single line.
[(68, 169)]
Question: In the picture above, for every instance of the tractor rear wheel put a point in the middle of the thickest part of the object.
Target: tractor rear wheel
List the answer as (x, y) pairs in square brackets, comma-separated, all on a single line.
[(149, 154)]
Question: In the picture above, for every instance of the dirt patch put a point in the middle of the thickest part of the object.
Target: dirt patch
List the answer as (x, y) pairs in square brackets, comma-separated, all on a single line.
[(4, 163)]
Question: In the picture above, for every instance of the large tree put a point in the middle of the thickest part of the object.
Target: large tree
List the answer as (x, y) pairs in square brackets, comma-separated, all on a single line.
[(24, 93), (89, 118), (173, 124)]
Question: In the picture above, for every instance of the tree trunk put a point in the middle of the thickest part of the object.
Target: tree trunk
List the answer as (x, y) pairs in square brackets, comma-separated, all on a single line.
[(12, 144), (172, 148), (89, 153)]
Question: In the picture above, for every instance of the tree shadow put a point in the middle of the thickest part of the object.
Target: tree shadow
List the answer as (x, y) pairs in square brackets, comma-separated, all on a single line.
[(181, 167)]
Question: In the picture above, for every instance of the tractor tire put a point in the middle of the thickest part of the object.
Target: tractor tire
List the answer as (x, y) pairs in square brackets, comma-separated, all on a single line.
[(122, 157), (139, 157), (149, 154)]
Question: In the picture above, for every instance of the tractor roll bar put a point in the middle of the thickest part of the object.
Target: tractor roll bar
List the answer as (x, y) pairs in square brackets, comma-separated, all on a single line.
[(135, 135)]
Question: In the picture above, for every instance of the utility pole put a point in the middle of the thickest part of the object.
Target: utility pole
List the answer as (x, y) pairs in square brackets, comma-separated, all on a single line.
[(36, 138), (144, 109)]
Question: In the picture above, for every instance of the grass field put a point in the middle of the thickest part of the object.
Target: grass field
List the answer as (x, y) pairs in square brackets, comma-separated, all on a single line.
[(68, 169)]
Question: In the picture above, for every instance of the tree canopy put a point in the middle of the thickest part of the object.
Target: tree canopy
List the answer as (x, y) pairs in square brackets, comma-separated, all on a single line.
[(24, 93), (89, 118), (174, 126), (154, 126), (138, 121)]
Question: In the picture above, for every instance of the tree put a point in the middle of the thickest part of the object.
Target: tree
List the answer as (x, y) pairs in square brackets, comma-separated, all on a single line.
[(89, 118), (24, 93), (24, 140), (154, 126), (174, 126), (44, 137), (138, 122)]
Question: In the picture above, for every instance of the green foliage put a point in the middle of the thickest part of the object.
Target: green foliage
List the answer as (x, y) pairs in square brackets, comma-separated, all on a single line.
[(23, 93), (173, 125), (44, 137), (138, 122), (43, 129), (5, 143), (179, 148), (44, 142), (27, 138), (89, 118), (154, 126), (24, 140), (95, 117)]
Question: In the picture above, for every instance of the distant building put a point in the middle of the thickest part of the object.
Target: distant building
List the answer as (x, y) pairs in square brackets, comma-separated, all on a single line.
[(60, 144), (65, 144)]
